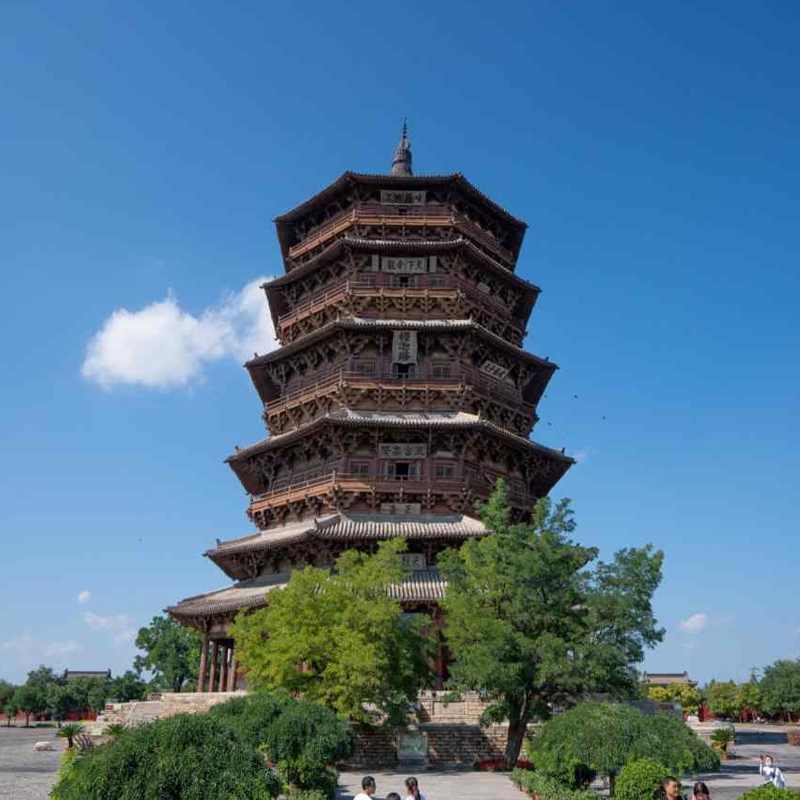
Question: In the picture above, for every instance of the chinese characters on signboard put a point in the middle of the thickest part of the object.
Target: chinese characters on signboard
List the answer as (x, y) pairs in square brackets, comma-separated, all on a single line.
[(494, 370), (401, 508), (404, 347), (402, 197), (413, 561), (404, 266), (402, 450)]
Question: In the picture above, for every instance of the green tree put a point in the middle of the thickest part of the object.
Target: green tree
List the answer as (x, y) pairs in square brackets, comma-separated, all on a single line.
[(748, 698), (780, 688), (339, 638), (60, 699), (531, 627), (659, 694), (689, 697), (10, 709), (41, 677), (171, 653), (30, 700), (722, 698), (6, 692), (127, 687)]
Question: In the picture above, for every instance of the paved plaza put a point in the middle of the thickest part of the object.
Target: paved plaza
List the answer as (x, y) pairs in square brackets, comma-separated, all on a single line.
[(27, 775)]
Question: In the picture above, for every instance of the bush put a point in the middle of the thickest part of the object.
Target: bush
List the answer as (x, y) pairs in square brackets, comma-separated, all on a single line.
[(640, 780), (769, 792), (251, 717), (671, 742), (537, 785), (305, 739), (186, 757), (723, 736)]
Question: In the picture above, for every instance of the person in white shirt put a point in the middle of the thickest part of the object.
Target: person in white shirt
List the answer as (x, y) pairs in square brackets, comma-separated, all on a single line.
[(771, 773), (367, 788), (412, 790)]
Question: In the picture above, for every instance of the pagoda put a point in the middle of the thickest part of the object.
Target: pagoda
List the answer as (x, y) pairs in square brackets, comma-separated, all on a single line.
[(399, 395)]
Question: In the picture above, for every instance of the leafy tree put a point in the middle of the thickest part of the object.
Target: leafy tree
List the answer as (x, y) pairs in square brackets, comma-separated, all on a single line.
[(6, 692), (603, 737), (97, 696), (748, 698), (127, 687), (60, 699), (30, 700), (171, 653), (532, 628), (689, 697), (41, 677), (722, 698), (69, 732), (339, 638), (659, 694), (780, 688), (641, 779), (11, 709)]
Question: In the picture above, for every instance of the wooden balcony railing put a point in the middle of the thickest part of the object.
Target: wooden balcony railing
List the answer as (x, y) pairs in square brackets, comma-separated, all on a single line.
[(343, 481), (380, 284), (328, 382), (411, 216)]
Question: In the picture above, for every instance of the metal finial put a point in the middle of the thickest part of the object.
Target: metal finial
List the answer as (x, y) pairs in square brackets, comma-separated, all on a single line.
[(401, 161)]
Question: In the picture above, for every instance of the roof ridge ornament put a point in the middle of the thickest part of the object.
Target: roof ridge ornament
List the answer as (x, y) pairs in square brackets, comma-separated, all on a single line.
[(401, 161)]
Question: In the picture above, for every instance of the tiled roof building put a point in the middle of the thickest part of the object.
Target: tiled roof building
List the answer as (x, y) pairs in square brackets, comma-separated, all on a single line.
[(399, 395)]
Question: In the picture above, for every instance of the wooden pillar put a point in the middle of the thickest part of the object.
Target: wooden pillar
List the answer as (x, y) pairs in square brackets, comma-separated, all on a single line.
[(232, 670), (212, 680), (201, 675), (223, 671)]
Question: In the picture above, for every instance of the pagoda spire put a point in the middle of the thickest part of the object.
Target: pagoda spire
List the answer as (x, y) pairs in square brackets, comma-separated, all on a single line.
[(401, 161)]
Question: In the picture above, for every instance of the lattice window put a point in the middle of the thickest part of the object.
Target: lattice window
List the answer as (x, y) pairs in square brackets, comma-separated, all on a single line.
[(445, 471), (360, 469), (403, 470), (441, 370), (365, 367)]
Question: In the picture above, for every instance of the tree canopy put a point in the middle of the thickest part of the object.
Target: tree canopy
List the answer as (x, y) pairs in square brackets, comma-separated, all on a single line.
[(171, 653), (535, 622), (338, 638), (780, 688)]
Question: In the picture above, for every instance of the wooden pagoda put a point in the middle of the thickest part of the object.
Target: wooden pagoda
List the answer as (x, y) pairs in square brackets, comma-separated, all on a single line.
[(400, 392)]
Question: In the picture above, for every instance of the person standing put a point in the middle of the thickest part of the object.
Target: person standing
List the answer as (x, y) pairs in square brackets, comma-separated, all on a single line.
[(670, 788), (367, 788), (412, 790), (770, 773), (700, 791)]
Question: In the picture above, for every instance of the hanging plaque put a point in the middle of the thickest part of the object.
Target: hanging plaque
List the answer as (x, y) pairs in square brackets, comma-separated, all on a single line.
[(406, 265), (402, 450), (401, 508), (402, 197), (404, 347), (413, 561), (493, 370)]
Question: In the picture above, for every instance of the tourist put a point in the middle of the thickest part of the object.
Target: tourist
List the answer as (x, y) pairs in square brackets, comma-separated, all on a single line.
[(670, 788), (367, 788), (412, 789), (771, 773), (392, 796), (700, 791)]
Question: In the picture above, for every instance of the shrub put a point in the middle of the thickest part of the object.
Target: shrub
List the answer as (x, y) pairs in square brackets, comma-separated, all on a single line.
[(251, 717), (769, 792), (723, 736), (305, 739), (640, 780), (537, 785), (186, 757), (69, 731)]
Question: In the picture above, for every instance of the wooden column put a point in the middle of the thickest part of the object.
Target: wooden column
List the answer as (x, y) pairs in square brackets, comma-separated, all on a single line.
[(223, 670), (212, 680), (201, 675), (232, 670)]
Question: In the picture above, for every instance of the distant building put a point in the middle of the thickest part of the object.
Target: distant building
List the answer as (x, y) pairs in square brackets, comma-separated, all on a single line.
[(74, 674), (667, 679)]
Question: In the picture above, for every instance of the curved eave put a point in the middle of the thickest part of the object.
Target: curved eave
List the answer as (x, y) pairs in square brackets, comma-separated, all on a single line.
[(284, 221), (271, 288)]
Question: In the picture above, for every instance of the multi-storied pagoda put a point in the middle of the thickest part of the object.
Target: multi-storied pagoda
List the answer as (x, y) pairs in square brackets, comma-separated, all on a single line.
[(399, 395)]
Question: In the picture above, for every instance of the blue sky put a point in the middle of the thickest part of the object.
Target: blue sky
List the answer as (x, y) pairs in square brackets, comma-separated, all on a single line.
[(145, 148)]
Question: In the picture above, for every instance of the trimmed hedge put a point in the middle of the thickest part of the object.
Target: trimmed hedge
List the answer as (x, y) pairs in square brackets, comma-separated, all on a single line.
[(186, 757), (769, 792), (640, 780)]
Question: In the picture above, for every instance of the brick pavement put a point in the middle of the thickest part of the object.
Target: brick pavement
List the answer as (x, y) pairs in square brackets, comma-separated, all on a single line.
[(24, 774)]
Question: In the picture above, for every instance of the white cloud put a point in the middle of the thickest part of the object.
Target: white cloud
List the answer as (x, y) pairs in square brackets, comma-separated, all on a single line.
[(694, 624), (21, 644), (161, 346), (120, 626), (84, 596), (61, 648)]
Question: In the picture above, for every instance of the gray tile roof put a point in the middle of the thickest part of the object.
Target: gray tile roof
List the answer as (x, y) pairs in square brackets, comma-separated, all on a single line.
[(353, 527), (422, 586)]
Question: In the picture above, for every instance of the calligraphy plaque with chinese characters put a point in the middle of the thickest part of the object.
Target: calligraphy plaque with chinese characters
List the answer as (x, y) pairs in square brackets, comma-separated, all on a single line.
[(404, 347), (402, 450), (494, 370), (402, 197), (413, 561)]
